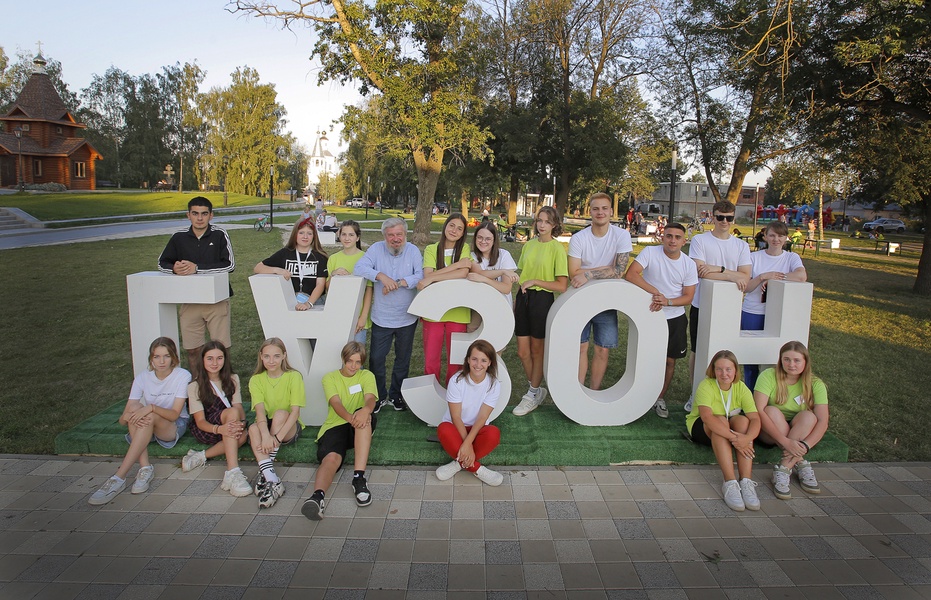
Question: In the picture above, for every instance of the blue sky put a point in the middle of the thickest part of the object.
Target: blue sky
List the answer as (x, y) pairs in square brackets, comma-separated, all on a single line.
[(142, 37)]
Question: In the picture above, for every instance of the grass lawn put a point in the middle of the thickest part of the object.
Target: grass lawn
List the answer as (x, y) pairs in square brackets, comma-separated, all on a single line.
[(54, 207), (65, 352)]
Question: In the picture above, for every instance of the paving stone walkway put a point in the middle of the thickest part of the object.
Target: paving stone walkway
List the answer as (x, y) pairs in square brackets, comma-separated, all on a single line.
[(658, 533)]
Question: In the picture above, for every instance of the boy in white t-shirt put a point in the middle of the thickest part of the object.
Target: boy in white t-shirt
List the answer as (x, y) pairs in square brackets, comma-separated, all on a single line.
[(598, 252), (671, 277), (719, 256)]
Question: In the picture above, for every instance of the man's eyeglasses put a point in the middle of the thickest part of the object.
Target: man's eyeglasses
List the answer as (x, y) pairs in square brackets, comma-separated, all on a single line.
[(728, 218)]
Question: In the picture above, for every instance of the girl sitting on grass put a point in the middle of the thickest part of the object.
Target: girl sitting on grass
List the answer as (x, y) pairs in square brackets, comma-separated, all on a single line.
[(793, 406), (344, 263), (277, 398), (215, 404), (724, 417), (155, 411), (471, 397)]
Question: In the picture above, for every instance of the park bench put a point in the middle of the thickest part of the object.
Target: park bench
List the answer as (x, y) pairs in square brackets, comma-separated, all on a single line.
[(887, 246)]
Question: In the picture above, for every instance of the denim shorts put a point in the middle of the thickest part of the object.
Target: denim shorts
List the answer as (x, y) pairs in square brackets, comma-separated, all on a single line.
[(180, 428), (605, 326)]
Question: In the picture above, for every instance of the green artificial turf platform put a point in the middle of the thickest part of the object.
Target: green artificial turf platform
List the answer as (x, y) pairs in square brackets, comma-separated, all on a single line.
[(543, 438)]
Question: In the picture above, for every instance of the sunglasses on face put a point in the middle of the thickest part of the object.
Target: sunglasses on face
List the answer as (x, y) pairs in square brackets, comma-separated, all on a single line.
[(728, 218)]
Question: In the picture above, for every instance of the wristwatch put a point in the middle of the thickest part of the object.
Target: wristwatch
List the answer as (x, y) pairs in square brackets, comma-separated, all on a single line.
[(722, 268)]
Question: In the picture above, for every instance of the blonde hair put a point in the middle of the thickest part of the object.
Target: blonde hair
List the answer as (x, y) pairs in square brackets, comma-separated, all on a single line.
[(725, 354), (806, 378), (260, 366)]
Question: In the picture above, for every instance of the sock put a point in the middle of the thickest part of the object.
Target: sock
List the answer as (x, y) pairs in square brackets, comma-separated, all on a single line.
[(118, 478), (268, 470), (534, 390), (233, 470), (359, 474), (273, 453)]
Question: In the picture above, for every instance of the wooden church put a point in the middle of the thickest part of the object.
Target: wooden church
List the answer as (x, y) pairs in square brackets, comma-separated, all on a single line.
[(39, 142)]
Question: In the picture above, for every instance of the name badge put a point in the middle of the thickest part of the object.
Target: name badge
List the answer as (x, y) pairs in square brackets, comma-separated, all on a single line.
[(799, 400), (355, 389)]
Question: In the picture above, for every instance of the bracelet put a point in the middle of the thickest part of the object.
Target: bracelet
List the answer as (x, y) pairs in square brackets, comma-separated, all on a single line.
[(276, 439), (216, 429), (807, 447), (668, 302)]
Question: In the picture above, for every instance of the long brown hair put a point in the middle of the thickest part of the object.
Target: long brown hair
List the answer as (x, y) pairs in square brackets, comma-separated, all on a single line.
[(725, 354), (495, 246), (314, 243), (355, 227), (457, 248), (204, 390), (806, 378), (554, 218), (489, 351)]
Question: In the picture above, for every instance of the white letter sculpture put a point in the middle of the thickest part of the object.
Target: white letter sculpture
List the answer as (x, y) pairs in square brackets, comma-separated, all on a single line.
[(153, 300), (424, 395), (788, 317), (634, 394), (331, 325)]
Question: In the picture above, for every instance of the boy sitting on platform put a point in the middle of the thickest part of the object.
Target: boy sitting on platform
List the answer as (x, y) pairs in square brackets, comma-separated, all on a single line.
[(350, 422)]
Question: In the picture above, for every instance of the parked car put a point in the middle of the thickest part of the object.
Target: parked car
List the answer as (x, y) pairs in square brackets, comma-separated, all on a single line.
[(356, 203), (885, 226), (442, 208)]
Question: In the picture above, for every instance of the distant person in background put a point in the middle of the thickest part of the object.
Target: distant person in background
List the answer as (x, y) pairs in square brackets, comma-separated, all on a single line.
[(318, 207), (308, 212)]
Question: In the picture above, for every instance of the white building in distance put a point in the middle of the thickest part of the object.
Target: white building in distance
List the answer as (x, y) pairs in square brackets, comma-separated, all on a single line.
[(320, 161)]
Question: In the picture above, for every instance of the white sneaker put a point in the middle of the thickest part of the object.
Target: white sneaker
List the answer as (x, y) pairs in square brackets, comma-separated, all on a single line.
[(143, 479), (660, 407), (732, 497), (193, 460), (447, 471), (270, 494), (529, 402), (107, 491), (486, 475), (688, 403), (748, 493), (781, 477), (236, 484), (806, 477)]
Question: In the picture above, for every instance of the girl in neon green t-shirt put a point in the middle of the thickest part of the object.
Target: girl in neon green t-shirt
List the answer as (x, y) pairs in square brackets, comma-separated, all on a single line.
[(793, 406), (344, 263)]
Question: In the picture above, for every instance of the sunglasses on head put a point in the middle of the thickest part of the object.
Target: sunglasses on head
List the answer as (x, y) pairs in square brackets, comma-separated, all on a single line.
[(728, 218)]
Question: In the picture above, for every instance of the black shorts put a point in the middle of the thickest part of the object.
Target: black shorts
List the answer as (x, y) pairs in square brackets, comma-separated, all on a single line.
[(693, 326), (339, 439), (297, 433), (677, 347), (698, 433), (530, 310)]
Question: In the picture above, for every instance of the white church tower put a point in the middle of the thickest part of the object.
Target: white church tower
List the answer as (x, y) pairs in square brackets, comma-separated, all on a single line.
[(320, 161)]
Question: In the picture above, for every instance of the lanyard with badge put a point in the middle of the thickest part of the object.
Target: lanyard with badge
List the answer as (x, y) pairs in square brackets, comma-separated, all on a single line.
[(727, 402), (302, 268)]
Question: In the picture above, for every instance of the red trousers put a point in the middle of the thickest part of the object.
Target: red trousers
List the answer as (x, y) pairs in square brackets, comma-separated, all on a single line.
[(487, 440), (434, 334)]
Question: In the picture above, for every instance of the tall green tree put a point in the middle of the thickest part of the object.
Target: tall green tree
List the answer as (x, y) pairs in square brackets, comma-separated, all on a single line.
[(14, 76), (179, 86), (408, 52), (145, 152), (104, 111)]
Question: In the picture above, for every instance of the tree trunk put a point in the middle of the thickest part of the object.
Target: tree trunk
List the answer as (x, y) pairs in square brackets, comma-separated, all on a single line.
[(923, 280), (464, 203), (428, 162), (512, 198)]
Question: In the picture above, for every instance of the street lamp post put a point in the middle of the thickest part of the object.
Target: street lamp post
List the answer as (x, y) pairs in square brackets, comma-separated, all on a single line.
[(21, 179), (271, 195), (672, 189), (226, 166)]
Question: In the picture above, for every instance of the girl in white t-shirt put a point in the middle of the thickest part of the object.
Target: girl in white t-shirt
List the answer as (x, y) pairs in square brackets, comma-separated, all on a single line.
[(471, 397), (491, 263), (155, 411), (215, 404), (771, 263)]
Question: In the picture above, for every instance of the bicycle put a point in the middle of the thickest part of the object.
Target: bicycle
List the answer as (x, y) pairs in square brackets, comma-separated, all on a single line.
[(263, 224)]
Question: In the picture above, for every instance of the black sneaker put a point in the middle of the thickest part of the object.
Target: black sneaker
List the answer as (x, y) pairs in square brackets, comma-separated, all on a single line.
[(313, 508), (379, 403), (363, 495), (399, 404)]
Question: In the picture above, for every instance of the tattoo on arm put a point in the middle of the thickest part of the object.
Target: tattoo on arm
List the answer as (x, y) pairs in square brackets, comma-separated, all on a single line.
[(615, 271)]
